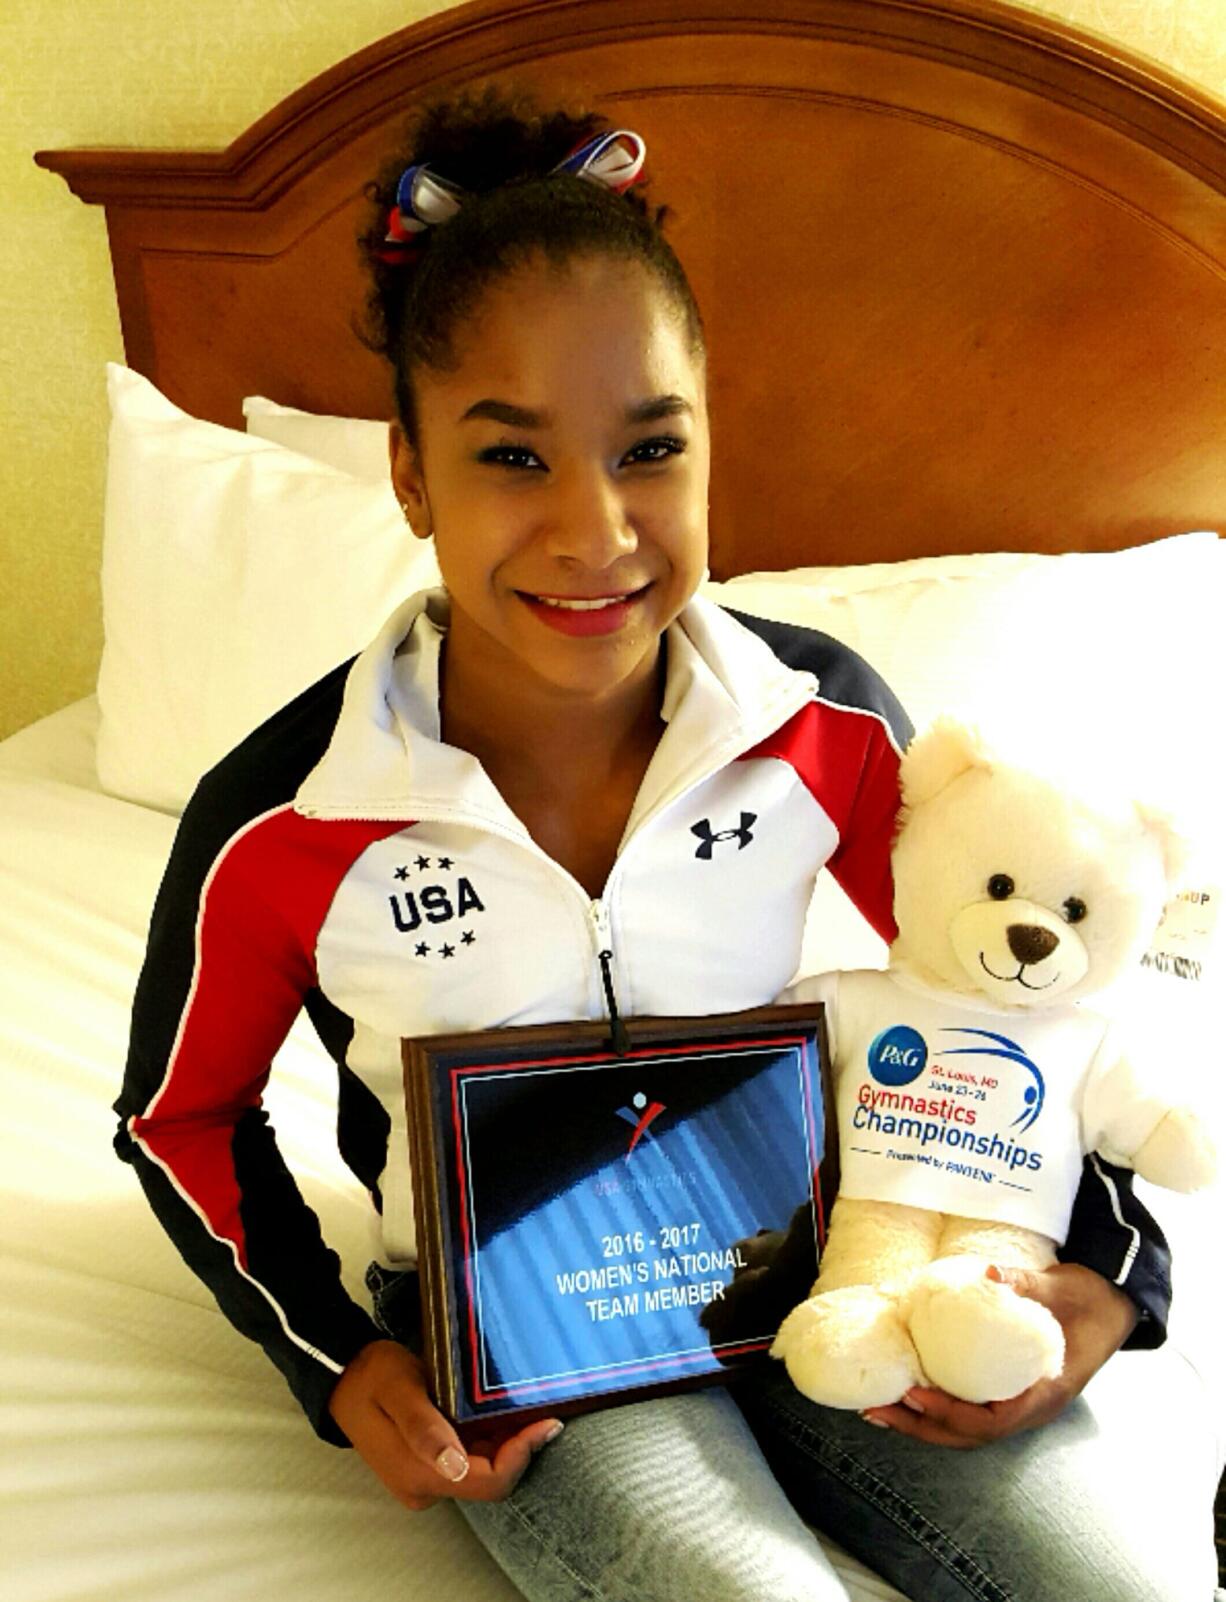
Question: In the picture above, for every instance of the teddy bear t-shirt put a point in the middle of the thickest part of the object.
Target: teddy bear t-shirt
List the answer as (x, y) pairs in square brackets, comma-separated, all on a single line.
[(964, 1108)]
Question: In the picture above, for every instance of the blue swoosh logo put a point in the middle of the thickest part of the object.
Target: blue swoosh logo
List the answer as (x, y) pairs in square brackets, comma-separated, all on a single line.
[(1011, 1052)]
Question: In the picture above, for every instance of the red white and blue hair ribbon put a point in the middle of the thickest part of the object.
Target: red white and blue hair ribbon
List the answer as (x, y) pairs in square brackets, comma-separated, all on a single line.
[(612, 159), (424, 198)]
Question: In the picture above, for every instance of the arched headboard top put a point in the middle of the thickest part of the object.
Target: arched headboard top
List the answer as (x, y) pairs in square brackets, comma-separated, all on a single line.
[(963, 268)]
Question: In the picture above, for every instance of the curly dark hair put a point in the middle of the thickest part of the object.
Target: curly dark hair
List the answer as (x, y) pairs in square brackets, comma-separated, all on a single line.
[(500, 144)]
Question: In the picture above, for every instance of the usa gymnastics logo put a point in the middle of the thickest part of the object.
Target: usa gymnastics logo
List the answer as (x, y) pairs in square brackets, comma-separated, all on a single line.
[(1034, 1094), (898, 1055), (641, 1117)]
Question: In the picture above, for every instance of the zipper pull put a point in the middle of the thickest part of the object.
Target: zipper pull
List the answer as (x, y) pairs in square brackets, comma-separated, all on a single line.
[(620, 1040)]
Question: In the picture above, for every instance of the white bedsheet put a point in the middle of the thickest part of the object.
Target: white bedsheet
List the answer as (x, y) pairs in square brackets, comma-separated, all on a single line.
[(150, 1454)]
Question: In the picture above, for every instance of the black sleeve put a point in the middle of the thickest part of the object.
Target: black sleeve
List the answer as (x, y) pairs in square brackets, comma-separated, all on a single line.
[(224, 976), (1112, 1233), (843, 676)]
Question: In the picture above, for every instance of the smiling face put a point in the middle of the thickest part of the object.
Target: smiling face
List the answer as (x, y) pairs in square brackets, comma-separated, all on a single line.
[(562, 469)]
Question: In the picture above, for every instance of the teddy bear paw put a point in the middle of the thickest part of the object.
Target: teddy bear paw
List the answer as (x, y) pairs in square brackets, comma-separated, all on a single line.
[(1179, 1155), (976, 1337), (848, 1348)]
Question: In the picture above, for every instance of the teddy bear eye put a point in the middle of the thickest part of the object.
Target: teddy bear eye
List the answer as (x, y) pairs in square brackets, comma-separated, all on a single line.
[(1000, 887), (1075, 909)]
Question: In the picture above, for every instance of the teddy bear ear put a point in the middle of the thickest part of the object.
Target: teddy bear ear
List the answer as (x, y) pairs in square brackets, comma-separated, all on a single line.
[(937, 757), (1175, 845)]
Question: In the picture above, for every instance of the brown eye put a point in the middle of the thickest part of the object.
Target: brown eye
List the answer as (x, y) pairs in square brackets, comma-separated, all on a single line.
[(1000, 887), (661, 449), (1075, 909)]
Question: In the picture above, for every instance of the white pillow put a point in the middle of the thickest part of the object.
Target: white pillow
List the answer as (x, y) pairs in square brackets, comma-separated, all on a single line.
[(235, 573), (1111, 658), (352, 444), (1101, 656)]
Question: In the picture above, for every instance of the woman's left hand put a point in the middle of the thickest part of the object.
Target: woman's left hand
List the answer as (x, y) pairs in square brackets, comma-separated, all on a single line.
[(1097, 1318)]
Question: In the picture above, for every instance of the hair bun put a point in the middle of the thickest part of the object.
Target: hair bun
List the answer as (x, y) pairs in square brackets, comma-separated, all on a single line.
[(496, 146)]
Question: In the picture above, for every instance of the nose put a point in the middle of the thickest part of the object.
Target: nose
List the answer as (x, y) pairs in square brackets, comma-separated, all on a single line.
[(589, 522), (1029, 943)]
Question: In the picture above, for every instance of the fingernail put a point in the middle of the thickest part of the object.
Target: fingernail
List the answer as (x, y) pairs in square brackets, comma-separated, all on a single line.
[(553, 1434), (452, 1465), (994, 1273), (910, 1401), (879, 1423)]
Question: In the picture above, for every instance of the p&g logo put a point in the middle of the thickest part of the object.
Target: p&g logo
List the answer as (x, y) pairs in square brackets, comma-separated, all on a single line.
[(897, 1056)]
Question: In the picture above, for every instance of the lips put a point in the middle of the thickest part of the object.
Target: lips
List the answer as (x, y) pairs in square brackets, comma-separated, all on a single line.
[(584, 614)]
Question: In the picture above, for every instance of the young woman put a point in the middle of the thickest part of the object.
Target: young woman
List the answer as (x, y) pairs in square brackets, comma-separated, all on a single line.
[(539, 740)]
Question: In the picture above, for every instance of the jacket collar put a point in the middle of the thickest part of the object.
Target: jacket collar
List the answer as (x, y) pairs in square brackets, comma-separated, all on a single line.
[(725, 691)]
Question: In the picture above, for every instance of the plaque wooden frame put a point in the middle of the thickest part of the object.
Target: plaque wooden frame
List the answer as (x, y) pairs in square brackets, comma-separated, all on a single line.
[(432, 1138)]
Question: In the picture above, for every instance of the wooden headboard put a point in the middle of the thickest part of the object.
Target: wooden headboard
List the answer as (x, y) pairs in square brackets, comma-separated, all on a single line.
[(963, 269)]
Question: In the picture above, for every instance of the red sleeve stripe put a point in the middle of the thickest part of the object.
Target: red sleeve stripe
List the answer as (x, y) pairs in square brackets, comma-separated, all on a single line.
[(844, 710), (848, 759), (261, 908)]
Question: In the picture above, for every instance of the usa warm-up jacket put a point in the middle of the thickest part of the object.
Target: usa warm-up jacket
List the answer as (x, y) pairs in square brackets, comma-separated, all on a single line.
[(344, 859)]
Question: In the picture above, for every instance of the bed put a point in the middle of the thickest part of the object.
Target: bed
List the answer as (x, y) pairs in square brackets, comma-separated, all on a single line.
[(964, 276)]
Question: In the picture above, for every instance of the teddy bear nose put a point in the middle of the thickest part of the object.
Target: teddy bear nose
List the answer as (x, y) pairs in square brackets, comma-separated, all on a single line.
[(1029, 943)]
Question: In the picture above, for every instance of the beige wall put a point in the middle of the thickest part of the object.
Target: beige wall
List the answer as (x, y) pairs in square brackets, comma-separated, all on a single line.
[(193, 73), (177, 73), (1185, 36)]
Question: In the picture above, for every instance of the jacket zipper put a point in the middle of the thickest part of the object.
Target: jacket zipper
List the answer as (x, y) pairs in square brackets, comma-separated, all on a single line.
[(597, 912), (619, 1040)]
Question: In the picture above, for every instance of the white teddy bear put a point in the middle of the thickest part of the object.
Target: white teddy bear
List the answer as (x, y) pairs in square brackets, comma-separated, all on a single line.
[(970, 1080)]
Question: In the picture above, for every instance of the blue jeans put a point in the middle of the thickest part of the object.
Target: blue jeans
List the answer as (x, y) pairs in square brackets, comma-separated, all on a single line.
[(709, 1493)]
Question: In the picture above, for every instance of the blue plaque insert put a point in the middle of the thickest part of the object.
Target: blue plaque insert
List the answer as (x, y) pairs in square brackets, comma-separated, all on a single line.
[(586, 1207)]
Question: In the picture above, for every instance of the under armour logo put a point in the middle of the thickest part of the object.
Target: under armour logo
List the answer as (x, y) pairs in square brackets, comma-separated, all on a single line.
[(709, 839)]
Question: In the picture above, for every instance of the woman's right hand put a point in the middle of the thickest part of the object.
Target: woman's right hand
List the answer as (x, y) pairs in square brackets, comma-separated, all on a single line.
[(383, 1405)]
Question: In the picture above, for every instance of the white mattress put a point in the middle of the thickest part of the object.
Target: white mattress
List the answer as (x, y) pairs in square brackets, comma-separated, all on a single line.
[(149, 1452)]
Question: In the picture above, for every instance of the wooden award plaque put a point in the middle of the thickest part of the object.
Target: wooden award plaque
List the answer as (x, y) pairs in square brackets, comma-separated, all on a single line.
[(578, 1207)]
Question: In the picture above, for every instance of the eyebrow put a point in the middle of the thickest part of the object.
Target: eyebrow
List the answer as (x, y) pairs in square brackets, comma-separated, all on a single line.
[(648, 411)]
